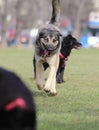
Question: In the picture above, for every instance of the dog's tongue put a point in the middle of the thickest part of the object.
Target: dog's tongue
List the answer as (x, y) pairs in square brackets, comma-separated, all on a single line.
[(45, 52)]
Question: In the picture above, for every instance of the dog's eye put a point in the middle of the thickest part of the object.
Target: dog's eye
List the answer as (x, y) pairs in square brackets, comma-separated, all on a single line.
[(46, 39), (71, 43), (54, 40)]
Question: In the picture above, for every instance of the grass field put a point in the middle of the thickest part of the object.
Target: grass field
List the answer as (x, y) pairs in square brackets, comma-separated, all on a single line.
[(76, 107)]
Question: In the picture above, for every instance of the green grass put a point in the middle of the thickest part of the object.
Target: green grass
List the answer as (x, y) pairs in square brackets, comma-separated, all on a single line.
[(76, 107)]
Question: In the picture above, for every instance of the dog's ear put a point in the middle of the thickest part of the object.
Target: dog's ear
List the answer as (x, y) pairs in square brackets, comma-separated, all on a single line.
[(69, 36), (60, 37), (41, 34), (59, 33)]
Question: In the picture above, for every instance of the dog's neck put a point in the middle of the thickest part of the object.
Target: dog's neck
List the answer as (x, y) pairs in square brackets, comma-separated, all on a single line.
[(66, 52)]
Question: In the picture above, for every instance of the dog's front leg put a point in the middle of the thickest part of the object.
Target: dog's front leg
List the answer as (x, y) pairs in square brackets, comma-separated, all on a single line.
[(60, 73), (39, 75), (53, 81), (50, 85)]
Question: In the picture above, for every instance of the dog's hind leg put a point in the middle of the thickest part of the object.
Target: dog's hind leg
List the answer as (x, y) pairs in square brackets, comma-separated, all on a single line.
[(34, 66), (40, 75)]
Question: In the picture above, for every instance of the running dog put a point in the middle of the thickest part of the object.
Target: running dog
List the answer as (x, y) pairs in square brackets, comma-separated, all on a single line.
[(47, 47)]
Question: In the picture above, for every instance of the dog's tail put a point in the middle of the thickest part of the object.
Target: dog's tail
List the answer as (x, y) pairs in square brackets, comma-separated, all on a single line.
[(55, 11)]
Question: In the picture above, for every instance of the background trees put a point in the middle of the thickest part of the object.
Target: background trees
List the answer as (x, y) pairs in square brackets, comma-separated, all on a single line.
[(31, 13)]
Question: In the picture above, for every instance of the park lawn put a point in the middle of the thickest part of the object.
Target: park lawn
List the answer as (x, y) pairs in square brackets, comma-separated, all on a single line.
[(76, 106)]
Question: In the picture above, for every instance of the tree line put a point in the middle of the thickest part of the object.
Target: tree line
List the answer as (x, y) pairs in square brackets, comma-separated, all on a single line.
[(31, 13)]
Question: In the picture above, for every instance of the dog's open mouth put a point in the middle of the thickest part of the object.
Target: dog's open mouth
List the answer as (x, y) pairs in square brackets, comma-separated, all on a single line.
[(77, 46), (48, 50), (46, 53)]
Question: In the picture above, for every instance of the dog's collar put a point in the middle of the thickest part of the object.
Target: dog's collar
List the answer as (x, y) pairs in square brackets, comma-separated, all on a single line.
[(18, 102), (63, 57)]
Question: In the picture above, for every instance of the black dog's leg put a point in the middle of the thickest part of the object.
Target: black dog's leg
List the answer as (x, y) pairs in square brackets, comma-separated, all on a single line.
[(59, 76), (34, 65), (62, 74), (60, 71)]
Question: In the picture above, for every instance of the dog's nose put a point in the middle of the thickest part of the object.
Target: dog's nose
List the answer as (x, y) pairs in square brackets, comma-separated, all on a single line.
[(49, 47)]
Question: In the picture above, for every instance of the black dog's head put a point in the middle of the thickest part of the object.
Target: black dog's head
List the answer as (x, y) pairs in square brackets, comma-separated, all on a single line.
[(49, 39), (71, 42), (68, 43), (17, 107)]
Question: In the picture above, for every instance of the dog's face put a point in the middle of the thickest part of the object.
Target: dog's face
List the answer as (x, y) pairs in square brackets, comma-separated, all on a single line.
[(72, 42), (49, 40)]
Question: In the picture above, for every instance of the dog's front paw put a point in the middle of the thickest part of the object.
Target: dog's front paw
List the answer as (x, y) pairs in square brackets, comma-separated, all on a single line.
[(46, 90), (59, 81), (39, 87), (49, 92), (52, 94)]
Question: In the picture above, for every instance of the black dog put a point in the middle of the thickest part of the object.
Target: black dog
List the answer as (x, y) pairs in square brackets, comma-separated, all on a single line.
[(17, 107), (68, 43)]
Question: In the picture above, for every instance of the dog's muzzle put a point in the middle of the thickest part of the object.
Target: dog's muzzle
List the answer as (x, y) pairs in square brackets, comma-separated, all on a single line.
[(49, 47)]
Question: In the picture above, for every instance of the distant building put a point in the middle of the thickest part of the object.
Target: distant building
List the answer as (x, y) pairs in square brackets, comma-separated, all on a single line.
[(96, 4), (1, 6), (91, 36)]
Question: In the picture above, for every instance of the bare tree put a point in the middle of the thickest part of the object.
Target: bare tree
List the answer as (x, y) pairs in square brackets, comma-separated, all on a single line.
[(77, 12), (30, 13)]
